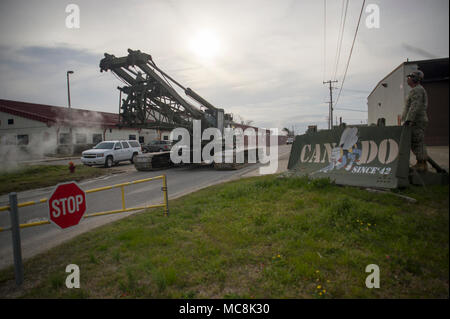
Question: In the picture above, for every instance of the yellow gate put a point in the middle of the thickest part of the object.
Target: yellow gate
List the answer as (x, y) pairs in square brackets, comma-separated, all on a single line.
[(124, 209)]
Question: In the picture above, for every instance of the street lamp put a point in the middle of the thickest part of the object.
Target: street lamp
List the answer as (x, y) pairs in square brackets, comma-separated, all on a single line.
[(70, 114), (68, 87)]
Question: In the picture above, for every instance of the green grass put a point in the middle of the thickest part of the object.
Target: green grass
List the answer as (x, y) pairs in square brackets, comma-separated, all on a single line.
[(261, 237), (36, 176)]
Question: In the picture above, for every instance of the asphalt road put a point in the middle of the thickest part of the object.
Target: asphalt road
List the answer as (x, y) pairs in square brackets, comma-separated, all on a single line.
[(180, 181)]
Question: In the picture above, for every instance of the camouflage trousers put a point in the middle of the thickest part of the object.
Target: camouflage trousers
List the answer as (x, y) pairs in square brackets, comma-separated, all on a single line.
[(418, 142)]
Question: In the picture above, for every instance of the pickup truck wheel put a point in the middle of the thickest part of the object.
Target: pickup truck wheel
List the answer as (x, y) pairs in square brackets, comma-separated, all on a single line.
[(133, 158), (109, 162)]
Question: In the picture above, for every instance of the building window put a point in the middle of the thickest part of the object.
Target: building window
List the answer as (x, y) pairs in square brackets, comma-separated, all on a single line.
[(132, 137), (81, 138), (96, 138), (166, 137), (22, 139), (10, 121), (64, 138)]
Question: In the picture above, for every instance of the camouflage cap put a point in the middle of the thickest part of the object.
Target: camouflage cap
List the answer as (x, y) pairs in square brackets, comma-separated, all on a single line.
[(416, 75)]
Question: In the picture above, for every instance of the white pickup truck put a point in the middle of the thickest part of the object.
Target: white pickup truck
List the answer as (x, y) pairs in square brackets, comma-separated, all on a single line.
[(108, 153)]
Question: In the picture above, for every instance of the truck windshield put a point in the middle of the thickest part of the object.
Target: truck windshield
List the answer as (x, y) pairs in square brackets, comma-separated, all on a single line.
[(104, 146)]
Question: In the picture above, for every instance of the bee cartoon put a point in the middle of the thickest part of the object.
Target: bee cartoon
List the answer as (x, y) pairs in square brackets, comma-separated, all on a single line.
[(346, 153)]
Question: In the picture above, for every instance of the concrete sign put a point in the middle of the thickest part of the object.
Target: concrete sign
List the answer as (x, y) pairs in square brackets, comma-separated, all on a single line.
[(360, 156)]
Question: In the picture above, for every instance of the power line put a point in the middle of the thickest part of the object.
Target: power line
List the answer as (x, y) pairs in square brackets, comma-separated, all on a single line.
[(338, 42), (357, 91), (351, 51), (350, 110), (341, 37)]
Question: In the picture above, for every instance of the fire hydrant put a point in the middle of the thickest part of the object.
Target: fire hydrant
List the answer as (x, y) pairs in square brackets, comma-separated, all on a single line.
[(71, 167)]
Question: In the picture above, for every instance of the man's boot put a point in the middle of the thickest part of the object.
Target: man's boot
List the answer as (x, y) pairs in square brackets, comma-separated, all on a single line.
[(421, 166), (417, 166), (424, 166)]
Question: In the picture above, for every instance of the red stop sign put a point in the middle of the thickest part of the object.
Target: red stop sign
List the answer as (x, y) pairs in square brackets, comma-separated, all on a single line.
[(67, 205)]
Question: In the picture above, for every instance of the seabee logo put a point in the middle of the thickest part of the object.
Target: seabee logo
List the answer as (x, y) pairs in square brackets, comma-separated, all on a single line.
[(347, 153)]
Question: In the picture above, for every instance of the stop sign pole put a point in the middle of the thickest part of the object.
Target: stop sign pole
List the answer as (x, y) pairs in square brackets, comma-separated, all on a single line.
[(67, 205)]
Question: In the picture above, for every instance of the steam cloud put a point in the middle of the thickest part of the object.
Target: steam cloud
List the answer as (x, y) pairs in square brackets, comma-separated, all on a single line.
[(12, 156)]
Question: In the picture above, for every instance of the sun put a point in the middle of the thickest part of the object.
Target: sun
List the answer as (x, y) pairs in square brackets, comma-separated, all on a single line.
[(205, 44)]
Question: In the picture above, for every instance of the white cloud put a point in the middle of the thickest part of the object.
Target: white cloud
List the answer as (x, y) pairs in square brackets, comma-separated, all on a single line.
[(269, 66)]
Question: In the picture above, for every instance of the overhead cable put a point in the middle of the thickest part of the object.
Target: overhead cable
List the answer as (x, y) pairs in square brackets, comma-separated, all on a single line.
[(351, 51)]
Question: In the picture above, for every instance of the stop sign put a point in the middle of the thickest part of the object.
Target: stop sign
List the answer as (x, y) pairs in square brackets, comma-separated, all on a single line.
[(67, 205)]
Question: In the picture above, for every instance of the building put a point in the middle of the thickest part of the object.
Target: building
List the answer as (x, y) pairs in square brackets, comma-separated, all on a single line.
[(45, 129), (29, 130), (388, 97)]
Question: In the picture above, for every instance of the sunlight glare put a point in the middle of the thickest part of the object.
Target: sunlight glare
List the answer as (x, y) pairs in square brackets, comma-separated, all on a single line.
[(205, 44)]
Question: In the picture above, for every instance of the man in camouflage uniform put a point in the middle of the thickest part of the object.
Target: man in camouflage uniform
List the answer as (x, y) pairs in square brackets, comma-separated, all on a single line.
[(415, 116)]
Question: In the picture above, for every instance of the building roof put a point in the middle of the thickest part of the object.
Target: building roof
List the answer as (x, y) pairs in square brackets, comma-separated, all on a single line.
[(433, 69), (54, 115), (57, 115)]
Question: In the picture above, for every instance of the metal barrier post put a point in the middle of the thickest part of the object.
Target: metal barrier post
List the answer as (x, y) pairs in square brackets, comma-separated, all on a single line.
[(15, 230), (166, 200), (123, 197)]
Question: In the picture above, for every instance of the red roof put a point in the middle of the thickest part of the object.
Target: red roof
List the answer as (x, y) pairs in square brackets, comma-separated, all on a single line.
[(52, 115)]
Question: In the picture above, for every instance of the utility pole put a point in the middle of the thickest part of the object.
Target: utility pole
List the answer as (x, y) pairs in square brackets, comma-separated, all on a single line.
[(330, 111), (70, 114)]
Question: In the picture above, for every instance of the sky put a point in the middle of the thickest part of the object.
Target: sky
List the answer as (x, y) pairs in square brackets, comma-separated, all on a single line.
[(262, 60)]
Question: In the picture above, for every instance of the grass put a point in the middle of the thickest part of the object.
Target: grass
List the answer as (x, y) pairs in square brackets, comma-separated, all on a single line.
[(36, 176), (261, 237)]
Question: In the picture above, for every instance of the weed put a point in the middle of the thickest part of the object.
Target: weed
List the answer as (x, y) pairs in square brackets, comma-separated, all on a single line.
[(264, 236)]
